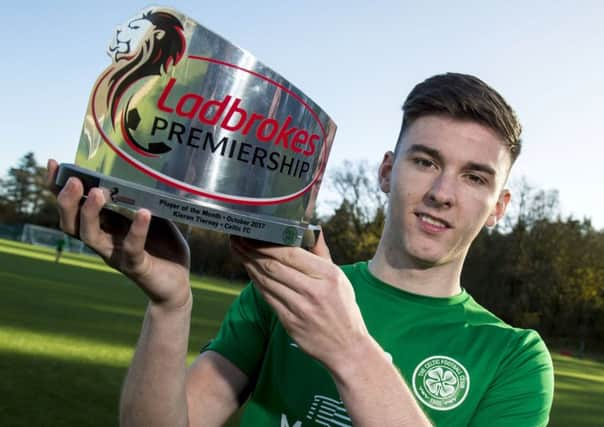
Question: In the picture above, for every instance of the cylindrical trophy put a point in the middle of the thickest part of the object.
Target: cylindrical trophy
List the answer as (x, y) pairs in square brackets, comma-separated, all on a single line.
[(198, 131)]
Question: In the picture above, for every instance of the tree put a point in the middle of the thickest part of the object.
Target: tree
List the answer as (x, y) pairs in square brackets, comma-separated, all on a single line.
[(356, 184), (353, 230), (530, 205), (23, 196), (541, 271)]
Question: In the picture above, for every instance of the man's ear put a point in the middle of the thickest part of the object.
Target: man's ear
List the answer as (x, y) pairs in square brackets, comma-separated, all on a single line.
[(385, 171), (499, 210)]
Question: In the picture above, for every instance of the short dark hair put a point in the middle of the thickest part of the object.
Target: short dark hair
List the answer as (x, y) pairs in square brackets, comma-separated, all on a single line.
[(463, 96)]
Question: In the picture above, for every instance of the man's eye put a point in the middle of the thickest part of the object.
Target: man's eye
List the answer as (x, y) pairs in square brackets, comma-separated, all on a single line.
[(476, 179), (424, 163)]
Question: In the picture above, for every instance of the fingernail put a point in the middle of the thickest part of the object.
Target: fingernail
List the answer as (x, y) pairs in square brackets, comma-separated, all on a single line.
[(69, 184), (103, 195), (106, 193), (96, 194)]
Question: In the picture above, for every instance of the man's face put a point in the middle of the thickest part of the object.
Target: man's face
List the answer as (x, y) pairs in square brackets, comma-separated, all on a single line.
[(445, 184)]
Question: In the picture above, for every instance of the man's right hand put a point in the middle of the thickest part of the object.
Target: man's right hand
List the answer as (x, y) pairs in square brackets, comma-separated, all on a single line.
[(149, 250)]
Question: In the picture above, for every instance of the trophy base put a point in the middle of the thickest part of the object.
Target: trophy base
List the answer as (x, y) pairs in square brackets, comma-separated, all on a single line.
[(132, 196)]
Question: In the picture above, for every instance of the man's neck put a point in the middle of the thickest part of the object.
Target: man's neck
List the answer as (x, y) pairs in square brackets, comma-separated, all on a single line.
[(400, 272)]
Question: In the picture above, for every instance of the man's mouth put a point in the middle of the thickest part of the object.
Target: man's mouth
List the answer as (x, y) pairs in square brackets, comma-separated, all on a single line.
[(436, 222)]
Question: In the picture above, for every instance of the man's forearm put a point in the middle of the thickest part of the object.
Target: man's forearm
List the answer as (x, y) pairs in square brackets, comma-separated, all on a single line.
[(373, 390), (154, 390)]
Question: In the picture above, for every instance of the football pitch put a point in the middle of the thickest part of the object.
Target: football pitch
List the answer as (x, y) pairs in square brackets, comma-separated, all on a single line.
[(68, 330)]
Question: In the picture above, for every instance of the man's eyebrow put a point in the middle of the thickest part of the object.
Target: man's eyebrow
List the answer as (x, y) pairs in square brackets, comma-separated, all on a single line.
[(479, 167), (424, 149)]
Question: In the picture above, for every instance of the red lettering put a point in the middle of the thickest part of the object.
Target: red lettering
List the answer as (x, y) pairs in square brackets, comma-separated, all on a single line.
[(197, 101), (311, 145), (253, 118), (261, 131), (300, 139), (284, 134), (234, 109), (220, 107), (237, 118), (161, 103)]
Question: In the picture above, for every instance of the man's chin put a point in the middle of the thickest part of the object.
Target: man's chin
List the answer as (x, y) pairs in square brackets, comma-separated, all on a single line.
[(417, 256), (416, 261), (427, 259), (424, 262)]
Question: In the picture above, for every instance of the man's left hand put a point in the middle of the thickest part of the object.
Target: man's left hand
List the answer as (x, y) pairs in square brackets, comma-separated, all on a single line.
[(310, 294)]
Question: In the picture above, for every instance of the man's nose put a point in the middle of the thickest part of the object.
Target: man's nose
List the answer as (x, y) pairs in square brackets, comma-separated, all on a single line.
[(442, 192)]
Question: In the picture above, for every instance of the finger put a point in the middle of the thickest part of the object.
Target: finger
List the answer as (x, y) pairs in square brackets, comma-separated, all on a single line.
[(284, 297), (68, 203), (134, 243), (277, 277), (90, 225), (51, 172), (284, 314), (270, 266), (305, 262), (321, 249)]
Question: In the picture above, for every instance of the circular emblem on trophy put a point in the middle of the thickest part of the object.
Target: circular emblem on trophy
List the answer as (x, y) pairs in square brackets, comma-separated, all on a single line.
[(289, 235), (441, 382)]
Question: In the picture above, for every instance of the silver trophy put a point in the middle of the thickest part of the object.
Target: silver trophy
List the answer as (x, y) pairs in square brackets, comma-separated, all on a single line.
[(199, 131)]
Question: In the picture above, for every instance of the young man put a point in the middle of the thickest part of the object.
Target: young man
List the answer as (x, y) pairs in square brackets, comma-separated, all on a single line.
[(395, 341)]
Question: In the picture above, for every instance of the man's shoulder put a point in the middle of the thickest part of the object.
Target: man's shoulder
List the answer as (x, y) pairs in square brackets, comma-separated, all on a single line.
[(519, 340), (478, 315)]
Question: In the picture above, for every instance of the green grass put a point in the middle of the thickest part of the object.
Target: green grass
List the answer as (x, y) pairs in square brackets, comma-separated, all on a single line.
[(68, 330), (67, 334), (579, 393)]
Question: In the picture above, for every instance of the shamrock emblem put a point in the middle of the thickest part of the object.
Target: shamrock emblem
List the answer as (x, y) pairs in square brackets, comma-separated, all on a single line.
[(441, 382)]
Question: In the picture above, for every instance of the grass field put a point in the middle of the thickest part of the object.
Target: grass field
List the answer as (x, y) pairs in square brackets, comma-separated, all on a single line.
[(67, 332)]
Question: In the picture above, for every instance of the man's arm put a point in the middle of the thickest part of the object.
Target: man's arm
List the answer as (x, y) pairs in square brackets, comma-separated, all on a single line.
[(316, 304), (216, 388), (373, 390), (155, 256), (154, 389), (160, 391)]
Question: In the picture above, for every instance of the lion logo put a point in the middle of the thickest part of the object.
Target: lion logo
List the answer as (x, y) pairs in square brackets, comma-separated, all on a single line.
[(146, 46)]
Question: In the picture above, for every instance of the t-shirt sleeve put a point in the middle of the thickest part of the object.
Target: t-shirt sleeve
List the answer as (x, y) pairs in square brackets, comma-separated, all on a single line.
[(245, 331), (523, 388)]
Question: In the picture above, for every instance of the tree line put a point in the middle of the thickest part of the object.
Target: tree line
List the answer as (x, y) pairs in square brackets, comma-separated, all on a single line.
[(536, 269)]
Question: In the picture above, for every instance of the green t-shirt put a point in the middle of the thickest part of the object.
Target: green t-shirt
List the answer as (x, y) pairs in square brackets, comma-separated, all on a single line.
[(464, 365)]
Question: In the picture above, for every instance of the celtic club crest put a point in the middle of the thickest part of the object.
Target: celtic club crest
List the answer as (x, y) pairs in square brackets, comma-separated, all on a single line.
[(441, 382)]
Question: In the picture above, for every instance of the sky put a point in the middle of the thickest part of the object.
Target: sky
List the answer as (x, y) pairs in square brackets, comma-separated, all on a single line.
[(357, 59)]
